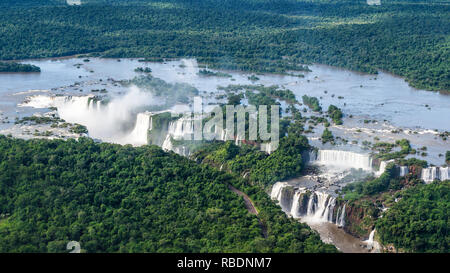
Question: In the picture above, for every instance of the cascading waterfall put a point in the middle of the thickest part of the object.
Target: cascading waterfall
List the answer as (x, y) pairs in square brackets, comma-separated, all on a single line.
[(435, 173), (340, 216), (139, 135), (267, 147), (107, 122), (73, 2), (276, 190), (313, 206), (344, 159), (349, 160), (182, 128), (382, 168), (43, 101), (309, 156), (296, 205), (444, 173), (320, 207), (404, 170), (370, 240), (167, 144)]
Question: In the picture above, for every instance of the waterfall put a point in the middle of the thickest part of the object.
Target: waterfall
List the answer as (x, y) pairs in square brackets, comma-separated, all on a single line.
[(444, 173), (344, 159), (383, 165), (370, 240), (94, 104), (238, 139), (320, 207), (404, 170), (73, 2), (429, 174), (340, 216), (107, 122), (167, 144), (267, 147), (182, 128), (435, 173), (81, 102), (313, 206), (309, 156), (296, 205), (276, 191), (139, 135), (43, 101), (373, 2)]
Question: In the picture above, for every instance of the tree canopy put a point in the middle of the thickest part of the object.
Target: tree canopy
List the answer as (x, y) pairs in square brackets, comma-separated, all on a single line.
[(114, 198)]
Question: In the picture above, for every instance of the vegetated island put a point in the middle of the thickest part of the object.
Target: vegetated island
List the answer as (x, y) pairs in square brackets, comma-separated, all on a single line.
[(18, 67)]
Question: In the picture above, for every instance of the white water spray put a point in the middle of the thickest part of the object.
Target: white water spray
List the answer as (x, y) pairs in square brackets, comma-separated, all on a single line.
[(343, 159), (435, 173), (109, 122), (311, 206)]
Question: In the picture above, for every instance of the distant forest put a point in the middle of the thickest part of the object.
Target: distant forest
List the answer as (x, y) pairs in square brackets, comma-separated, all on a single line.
[(408, 38)]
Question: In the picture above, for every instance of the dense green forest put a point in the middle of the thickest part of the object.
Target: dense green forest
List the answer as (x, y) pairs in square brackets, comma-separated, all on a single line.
[(17, 67), (261, 168), (409, 38), (419, 222), (114, 198)]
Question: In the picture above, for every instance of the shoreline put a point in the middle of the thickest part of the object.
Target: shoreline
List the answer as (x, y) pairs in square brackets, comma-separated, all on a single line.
[(81, 55)]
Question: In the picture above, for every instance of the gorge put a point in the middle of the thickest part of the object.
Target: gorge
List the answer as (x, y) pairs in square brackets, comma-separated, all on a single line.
[(135, 115)]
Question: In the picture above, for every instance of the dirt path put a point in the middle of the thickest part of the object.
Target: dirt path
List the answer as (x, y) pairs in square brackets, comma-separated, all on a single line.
[(250, 207), (248, 202)]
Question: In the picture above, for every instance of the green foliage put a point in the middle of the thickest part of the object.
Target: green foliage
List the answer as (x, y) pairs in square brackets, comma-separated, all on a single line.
[(234, 99), (114, 198), (327, 136), (405, 149), (279, 165), (78, 129), (362, 215), (273, 91), (253, 78), (209, 73), (273, 36), (38, 120), (143, 70), (447, 157), (419, 222), (312, 103), (258, 99), (335, 114), (386, 181), (284, 163), (413, 162), (17, 67)]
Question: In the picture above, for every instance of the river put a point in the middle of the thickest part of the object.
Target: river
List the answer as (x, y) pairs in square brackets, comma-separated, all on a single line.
[(395, 110)]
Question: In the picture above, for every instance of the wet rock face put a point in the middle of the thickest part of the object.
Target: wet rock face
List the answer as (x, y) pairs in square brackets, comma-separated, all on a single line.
[(339, 213), (303, 203), (359, 220), (287, 196)]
